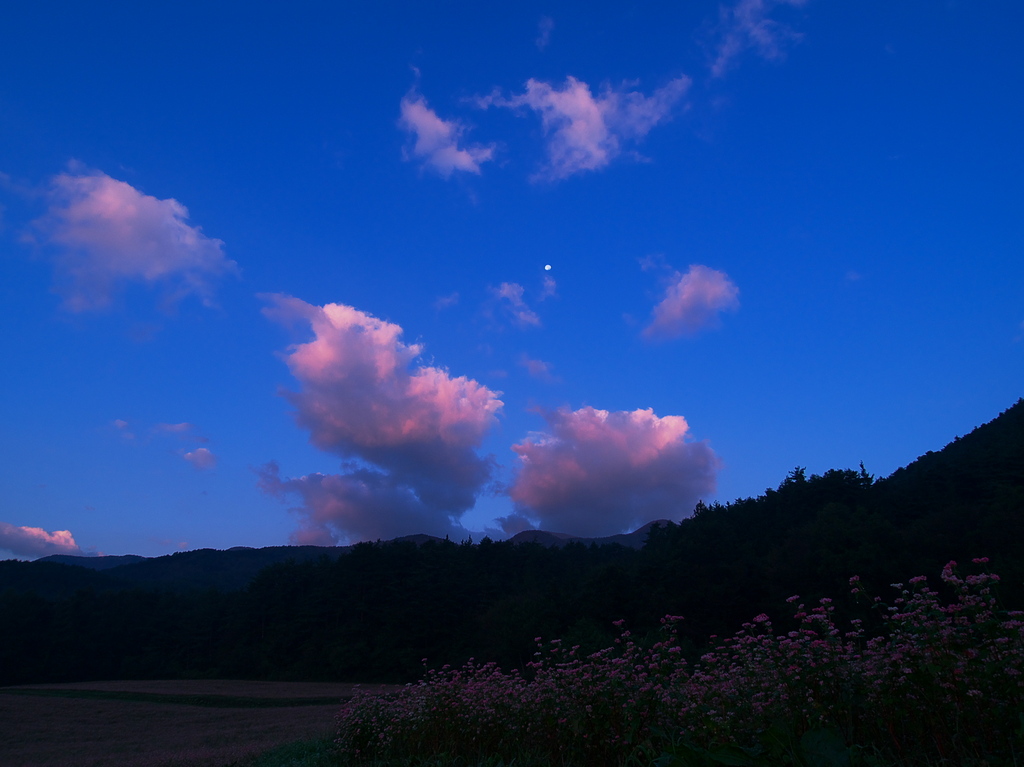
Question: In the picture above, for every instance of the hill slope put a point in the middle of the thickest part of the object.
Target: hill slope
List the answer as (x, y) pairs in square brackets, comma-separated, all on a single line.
[(374, 613)]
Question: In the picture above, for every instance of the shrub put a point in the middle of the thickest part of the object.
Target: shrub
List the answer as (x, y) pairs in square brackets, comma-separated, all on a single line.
[(942, 683)]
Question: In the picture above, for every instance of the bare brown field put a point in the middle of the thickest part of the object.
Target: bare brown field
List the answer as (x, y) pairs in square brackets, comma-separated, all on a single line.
[(37, 731)]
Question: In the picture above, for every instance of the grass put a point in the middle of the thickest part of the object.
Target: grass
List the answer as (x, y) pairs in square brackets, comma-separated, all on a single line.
[(318, 752), (210, 701), (115, 728)]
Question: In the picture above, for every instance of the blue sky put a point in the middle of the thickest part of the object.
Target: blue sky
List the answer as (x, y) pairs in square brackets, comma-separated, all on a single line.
[(278, 274)]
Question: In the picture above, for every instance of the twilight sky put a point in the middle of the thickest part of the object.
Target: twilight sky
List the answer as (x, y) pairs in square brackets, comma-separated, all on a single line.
[(329, 272)]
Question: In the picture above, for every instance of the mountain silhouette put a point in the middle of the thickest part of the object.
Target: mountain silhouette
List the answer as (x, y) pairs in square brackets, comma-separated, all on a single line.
[(373, 611), (234, 568)]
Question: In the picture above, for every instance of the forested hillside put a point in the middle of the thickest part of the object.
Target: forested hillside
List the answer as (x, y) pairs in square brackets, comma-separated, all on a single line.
[(373, 613)]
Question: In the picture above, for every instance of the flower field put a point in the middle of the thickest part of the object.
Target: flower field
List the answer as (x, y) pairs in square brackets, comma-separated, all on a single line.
[(939, 680)]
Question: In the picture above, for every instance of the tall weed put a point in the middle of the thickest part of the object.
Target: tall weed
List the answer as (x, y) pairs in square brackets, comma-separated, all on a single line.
[(941, 684)]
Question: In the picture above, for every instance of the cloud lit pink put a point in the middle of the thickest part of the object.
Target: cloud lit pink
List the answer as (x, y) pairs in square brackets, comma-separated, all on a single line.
[(747, 25), (436, 142), (201, 458), (544, 29), (510, 297), (586, 132), (692, 302), (362, 397), (107, 234), (538, 369), (174, 428), (549, 289), (596, 473), (36, 542)]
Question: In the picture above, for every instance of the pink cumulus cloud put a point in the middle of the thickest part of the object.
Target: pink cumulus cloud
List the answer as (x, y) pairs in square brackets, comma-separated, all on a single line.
[(36, 542), (436, 141), (201, 458), (586, 132), (107, 234), (363, 397), (747, 25), (596, 473), (692, 302), (510, 297)]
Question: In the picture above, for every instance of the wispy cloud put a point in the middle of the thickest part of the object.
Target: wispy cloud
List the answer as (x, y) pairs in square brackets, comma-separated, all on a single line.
[(435, 142), (586, 132), (544, 30), (200, 458), (362, 397), (106, 234), (510, 298), (692, 302), (174, 428), (36, 542), (747, 25), (446, 301), (549, 288), (538, 369), (184, 431), (596, 472)]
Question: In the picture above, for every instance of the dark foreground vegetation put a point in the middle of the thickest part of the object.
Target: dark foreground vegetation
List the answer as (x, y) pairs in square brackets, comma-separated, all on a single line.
[(375, 612), (942, 684)]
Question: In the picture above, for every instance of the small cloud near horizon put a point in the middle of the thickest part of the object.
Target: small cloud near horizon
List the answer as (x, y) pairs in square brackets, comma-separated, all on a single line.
[(35, 542)]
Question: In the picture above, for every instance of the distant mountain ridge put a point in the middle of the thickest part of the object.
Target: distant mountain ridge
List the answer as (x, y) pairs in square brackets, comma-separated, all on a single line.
[(227, 570), (103, 562), (633, 540), (231, 569)]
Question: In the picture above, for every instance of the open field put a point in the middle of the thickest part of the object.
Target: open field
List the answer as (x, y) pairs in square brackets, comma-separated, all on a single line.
[(202, 723)]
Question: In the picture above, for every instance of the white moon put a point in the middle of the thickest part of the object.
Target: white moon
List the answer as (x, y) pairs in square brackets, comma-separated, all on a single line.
[(547, 267)]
